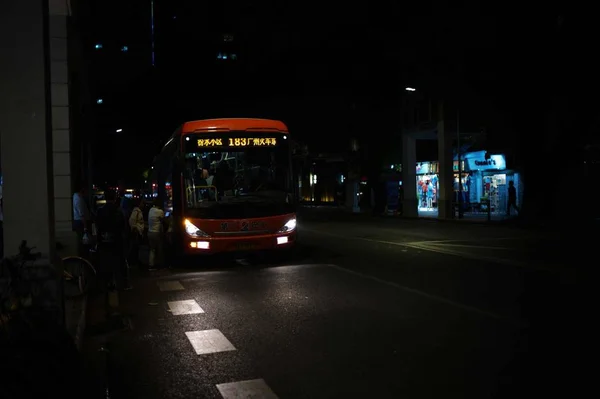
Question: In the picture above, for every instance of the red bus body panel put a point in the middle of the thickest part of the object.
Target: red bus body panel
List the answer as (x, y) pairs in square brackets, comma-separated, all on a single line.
[(233, 235), (233, 124)]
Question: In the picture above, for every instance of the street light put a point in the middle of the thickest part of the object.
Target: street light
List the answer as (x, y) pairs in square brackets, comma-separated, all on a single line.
[(410, 89), (119, 130)]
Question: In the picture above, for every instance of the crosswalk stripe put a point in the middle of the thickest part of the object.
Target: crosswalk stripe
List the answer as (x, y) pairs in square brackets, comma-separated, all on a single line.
[(209, 341), (246, 389), (189, 306)]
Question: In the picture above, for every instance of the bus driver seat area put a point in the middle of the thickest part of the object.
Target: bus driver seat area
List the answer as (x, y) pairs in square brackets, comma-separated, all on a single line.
[(223, 179)]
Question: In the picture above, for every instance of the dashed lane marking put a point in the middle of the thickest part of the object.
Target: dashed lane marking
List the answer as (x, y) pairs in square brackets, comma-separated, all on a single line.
[(246, 389), (209, 341), (184, 307), (170, 285)]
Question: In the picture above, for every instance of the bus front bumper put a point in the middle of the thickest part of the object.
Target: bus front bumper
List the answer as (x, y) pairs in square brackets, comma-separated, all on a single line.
[(212, 245)]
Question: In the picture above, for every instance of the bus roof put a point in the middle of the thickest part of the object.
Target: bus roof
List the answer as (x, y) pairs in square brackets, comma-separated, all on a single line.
[(235, 124)]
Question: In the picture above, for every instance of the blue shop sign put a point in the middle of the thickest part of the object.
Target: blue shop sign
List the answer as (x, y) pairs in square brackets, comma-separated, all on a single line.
[(495, 162)]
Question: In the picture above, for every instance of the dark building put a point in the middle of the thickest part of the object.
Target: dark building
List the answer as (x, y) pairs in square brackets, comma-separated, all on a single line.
[(118, 75), (118, 47), (197, 56)]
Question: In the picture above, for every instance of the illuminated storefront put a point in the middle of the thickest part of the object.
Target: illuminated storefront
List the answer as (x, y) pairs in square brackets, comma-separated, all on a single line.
[(484, 176), (428, 187)]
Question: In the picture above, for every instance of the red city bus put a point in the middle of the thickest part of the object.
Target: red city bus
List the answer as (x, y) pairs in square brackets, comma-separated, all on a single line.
[(226, 185)]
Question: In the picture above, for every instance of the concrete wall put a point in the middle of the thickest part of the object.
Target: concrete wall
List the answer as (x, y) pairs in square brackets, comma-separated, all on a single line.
[(61, 129), (34, 124), (409, 175)]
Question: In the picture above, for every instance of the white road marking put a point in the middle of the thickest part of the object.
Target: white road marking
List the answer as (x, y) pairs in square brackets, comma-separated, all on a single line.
[(432, 248), (473, 240), (170, 285), (246, 389), (189, 306), (209, 341), (465, 246), (187, 276), (420, 293)]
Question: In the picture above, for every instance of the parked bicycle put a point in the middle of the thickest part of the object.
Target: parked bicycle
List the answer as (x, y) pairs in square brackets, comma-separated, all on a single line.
[(79, 275), (15, 291), (38, 354)]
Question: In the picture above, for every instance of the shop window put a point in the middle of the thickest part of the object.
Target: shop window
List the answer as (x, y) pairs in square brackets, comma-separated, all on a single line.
[(427, 192)]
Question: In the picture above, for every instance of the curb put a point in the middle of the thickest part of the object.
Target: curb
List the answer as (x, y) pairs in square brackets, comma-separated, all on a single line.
[(458, 221), (368, 215), (80, 328), (76, 319)]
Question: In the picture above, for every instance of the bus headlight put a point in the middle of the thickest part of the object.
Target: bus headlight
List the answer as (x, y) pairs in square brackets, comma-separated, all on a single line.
[(289, 226), (192, 230)]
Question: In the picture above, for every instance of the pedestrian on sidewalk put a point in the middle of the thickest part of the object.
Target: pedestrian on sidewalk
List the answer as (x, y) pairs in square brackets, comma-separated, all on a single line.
[(1, 224), (512, 198), (111, 227), (156, 218), (136, 227), (81, 218), (170, 245)]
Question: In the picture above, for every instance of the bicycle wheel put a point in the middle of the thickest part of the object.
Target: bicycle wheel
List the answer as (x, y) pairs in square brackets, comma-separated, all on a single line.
[(78, 276)]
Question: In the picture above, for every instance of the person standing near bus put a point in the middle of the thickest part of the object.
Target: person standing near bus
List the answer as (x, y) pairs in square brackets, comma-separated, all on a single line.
[(156, 218), (111, 226), (136, 227), (81, 217), (170, 245), (1, 224)]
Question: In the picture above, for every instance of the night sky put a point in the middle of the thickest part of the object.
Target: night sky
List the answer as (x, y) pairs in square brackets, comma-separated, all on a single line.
[(332, 73)]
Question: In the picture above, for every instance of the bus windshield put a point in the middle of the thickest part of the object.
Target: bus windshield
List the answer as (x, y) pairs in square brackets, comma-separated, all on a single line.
[(242, 179)]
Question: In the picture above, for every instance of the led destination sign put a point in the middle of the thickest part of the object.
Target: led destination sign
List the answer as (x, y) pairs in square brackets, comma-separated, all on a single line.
[(238, 142)]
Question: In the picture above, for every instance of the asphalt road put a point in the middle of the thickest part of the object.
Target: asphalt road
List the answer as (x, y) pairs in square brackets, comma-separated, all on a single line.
[(365, 308)]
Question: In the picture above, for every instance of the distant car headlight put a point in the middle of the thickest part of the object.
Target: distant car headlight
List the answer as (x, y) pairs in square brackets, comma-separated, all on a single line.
[(192, 230), (288, 227)]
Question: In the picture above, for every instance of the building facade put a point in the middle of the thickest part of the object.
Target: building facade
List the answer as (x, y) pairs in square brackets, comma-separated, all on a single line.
[(37, 152)]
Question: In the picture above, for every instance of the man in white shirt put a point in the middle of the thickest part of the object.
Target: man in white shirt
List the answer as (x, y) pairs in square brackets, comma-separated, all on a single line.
[(136, 227), (81, 216), (156, 217)]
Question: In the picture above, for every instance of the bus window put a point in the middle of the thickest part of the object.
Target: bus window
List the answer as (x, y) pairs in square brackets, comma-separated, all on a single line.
[(220, 175)]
